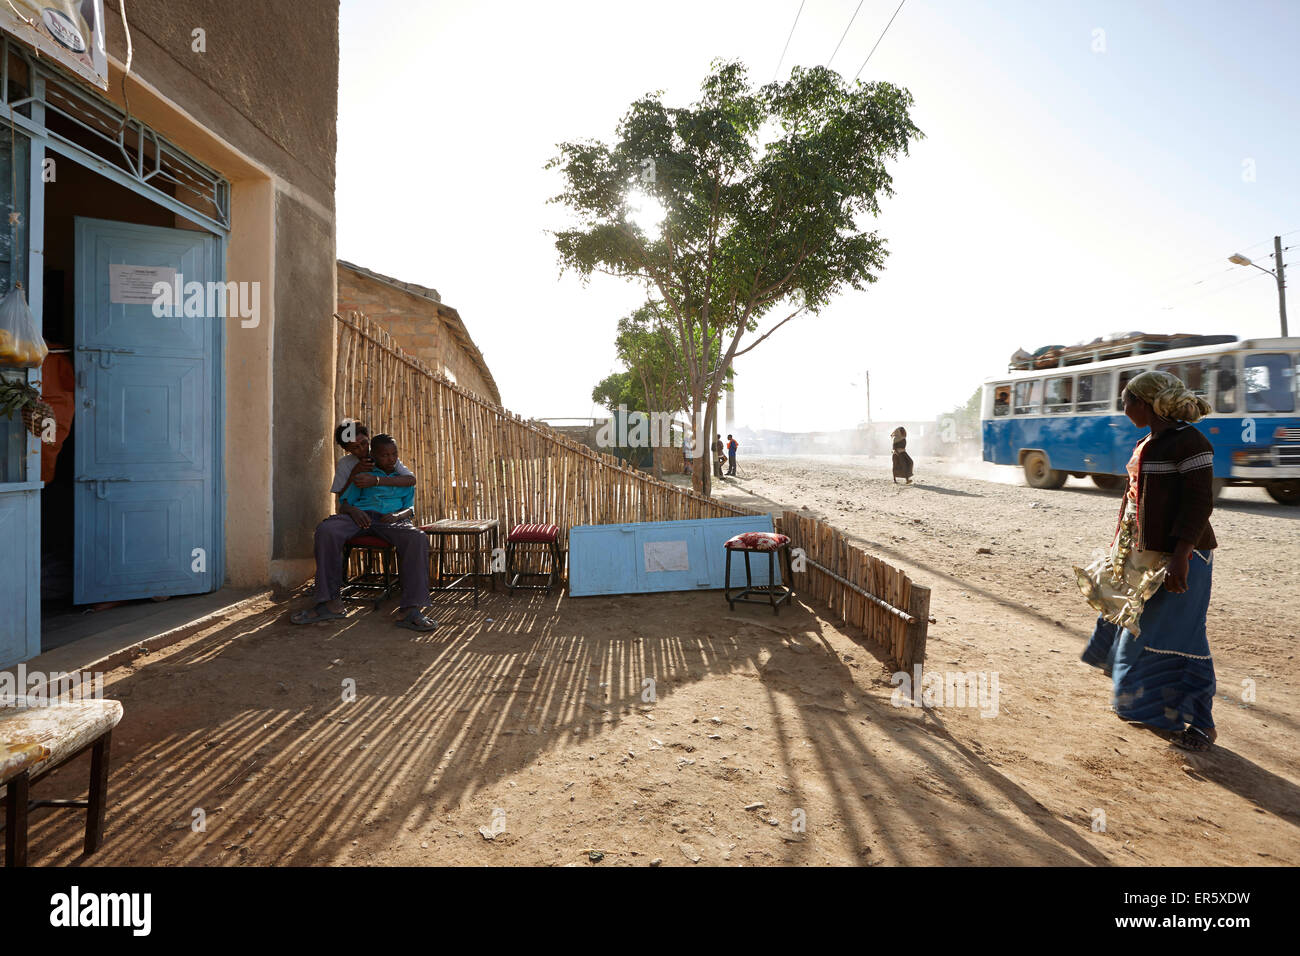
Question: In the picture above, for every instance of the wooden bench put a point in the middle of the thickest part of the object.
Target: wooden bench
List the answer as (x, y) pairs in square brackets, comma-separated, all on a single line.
[(39, 736)]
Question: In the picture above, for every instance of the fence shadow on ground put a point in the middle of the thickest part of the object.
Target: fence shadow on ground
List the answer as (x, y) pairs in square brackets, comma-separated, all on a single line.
[(288, 773)]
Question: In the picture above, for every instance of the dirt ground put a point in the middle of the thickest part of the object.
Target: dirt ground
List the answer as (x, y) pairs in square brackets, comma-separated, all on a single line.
[(524, 733)]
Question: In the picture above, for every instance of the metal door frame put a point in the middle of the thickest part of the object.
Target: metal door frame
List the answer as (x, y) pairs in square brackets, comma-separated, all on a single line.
[(133, 174)]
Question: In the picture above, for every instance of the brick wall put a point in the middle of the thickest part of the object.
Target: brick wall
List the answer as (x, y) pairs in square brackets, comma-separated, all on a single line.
[(422, 327)]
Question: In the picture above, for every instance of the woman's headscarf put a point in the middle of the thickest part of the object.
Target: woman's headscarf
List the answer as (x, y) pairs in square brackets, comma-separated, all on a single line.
[(1169, 397), (899, 432)]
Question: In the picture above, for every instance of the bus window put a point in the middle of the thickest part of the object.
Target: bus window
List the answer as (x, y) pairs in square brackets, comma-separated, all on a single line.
[(1002, 400), (1268, 379), (1225, 385), (1028, 396), (1126, 376), (1195, 375), (1059, 394), (1094, 390)]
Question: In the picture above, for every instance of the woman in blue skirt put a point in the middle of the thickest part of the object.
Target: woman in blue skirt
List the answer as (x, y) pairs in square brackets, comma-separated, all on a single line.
[(1152, 589)]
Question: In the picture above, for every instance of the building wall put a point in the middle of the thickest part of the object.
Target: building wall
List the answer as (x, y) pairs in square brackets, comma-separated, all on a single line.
[(418, 324), (260, 106)]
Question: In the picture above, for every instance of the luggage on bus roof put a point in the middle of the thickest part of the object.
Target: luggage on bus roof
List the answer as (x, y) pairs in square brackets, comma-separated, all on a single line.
[(1116, 345)]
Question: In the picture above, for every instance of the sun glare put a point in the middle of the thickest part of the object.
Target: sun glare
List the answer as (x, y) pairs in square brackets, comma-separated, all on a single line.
[(647, 212)]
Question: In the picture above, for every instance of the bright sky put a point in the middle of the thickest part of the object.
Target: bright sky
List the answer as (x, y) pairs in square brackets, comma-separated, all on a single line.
[(1088, 168)]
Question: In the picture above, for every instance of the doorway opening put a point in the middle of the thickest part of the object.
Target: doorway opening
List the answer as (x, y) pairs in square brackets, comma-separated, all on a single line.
[(75, 192)]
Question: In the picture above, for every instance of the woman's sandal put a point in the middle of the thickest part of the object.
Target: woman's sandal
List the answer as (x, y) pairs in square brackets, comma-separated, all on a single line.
[(416, 621), (313, 615), (1193, 739)]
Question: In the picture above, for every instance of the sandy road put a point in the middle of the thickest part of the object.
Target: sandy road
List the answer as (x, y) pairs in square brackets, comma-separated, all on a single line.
[(1017, 611), (520, 733)]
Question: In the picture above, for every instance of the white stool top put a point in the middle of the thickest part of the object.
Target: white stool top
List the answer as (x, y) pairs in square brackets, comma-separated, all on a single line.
[(38, 731)]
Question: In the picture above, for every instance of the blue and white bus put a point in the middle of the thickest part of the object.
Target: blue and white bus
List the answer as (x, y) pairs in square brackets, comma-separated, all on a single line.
[(1069, 419)]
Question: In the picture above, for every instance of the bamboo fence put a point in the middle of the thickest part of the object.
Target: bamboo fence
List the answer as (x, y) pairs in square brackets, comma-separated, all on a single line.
[(862, 590), (476, 460)]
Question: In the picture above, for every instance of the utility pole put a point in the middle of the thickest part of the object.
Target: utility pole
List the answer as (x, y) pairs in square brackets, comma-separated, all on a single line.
[(867, 373), (1281, 281), (1279, 274), (731, 399)]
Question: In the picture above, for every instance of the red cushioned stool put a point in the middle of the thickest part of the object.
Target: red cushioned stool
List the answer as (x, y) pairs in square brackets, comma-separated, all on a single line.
[(376, 580), (760, 542), (543, 534)]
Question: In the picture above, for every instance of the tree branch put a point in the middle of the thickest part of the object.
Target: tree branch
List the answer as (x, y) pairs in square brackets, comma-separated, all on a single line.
[(802, 308)]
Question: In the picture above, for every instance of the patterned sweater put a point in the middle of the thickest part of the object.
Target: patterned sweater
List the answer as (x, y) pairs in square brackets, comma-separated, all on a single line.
[(1175, 491)]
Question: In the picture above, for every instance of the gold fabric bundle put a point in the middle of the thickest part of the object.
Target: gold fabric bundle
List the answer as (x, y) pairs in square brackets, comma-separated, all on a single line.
[(1118, 584)]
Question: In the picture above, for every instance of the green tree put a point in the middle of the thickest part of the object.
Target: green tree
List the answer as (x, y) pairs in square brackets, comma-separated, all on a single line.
[(647, 346), (962, 424), (622, 394), (761, 192), (650, 381), (620, 388)]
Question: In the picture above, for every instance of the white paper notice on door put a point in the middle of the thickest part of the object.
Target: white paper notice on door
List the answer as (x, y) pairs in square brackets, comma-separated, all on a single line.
[(666, 556), (133, 285)]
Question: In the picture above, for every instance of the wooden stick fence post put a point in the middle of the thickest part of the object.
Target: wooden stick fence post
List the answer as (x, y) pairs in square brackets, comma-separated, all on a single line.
[(914, 643)]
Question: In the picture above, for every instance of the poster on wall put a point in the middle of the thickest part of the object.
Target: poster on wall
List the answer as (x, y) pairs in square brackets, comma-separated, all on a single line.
[(70, 32)]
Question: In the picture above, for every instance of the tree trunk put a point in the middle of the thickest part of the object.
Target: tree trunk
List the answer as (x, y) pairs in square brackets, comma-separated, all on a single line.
[(712, 426), (699, 462)]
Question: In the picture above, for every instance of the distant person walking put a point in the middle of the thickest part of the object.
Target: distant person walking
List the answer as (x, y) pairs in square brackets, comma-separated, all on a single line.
[(902, 460), (732, 445), (717, 456), (1152, 588)]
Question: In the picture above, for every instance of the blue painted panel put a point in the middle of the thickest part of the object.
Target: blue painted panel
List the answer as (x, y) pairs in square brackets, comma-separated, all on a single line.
[(20, 585), (670, 556), (146, 449), (659, 555)]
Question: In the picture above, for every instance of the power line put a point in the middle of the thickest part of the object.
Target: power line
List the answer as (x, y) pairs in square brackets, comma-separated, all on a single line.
[(777, 71), (1210, 292), (845, 33), (1179, 278), (878, 39)]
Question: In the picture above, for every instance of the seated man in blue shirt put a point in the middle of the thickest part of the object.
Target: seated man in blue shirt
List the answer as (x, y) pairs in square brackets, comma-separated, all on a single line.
[(383, 510)]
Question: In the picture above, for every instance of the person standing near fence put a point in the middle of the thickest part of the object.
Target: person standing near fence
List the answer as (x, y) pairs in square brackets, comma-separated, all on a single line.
[(732, 445)]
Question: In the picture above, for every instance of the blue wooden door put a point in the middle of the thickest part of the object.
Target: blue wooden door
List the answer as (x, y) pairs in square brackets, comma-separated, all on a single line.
[(670, 556), (651, 556), (146, 519)]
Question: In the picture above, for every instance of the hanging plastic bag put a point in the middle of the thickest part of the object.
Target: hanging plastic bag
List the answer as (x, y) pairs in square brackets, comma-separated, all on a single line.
[(21, 345)]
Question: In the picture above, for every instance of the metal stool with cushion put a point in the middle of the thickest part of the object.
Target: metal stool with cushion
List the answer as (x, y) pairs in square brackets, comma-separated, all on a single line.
[(38, 736), (525, 534), (760, 542)]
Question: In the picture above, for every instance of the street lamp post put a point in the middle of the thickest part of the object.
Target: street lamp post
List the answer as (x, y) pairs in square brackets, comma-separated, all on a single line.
[(1279, 275)]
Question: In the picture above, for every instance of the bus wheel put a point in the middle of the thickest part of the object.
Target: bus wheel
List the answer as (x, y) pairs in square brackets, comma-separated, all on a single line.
[(1284, 492), (1039, 474), (1109, 482)]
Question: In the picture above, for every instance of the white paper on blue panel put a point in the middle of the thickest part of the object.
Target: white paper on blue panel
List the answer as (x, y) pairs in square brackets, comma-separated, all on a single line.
[(666, 556)]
